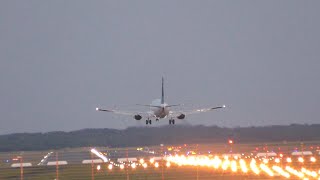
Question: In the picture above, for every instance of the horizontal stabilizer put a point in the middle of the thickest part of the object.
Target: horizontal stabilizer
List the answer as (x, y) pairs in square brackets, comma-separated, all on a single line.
[(98, 109), (158, 106)]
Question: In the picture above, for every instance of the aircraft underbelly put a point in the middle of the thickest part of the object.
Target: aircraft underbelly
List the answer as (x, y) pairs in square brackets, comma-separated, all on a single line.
[(161, 113)]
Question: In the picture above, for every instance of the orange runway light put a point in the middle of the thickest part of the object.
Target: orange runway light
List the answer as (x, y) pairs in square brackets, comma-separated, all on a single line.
[(266, 169), (281, 171), (313, 159), (151, 160), (144, 165), (289, 160), (141, 161), (300, 159), (133, 165)]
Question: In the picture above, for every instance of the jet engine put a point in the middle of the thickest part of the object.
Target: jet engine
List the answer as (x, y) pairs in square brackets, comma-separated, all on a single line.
[(181, 116), (137, 117)]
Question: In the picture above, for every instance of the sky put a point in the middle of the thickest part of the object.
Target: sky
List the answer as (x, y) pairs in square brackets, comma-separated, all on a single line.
[(61, 59)]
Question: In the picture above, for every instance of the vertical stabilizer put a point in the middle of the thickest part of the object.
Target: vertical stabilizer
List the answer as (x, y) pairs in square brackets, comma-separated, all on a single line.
[(162, 95)]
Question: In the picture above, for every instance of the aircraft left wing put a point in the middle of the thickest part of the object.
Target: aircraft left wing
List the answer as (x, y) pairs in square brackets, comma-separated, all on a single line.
[(127, 113)]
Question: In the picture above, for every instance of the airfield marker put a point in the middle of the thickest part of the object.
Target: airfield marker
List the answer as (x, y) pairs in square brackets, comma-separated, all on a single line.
[(57, 167)]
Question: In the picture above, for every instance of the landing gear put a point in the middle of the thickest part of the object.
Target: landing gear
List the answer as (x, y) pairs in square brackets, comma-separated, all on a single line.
[(171, 121), (157, 119), (148, 121)]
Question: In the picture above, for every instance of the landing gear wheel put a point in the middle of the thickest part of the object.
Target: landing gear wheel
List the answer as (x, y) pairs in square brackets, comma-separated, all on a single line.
[(170, 121), (173, 121), (147, 121), (150, 121)]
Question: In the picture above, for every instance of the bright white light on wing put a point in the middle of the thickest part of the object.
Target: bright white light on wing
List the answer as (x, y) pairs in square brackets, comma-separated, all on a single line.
[(224, 106), (97, 109), (98, 167), (99, 155)]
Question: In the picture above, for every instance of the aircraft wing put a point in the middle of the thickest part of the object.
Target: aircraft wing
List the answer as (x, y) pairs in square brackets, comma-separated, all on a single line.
[(127, 113), (195, 111)]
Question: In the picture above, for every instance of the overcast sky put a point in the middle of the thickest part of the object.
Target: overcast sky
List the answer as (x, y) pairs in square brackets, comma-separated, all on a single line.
[(61, 59)]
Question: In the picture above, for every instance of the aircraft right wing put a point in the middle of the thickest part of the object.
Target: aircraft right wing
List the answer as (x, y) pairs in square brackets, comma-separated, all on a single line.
[(194, 111), (204, 110)]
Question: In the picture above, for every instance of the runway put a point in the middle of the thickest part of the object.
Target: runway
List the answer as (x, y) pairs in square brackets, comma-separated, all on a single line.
[(295, 160)]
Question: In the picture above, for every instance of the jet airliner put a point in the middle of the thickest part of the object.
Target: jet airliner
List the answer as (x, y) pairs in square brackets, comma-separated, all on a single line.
[(159, 110)]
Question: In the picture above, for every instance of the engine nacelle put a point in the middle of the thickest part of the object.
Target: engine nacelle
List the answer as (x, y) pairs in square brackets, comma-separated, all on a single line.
[(181, 116), (137, 117)]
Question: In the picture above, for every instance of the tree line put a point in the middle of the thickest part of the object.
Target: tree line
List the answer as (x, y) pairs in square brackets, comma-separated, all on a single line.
[(146, 136)]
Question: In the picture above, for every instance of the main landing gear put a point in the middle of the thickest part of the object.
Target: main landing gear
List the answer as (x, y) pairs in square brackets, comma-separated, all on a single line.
[(171, 121), (148, 121)]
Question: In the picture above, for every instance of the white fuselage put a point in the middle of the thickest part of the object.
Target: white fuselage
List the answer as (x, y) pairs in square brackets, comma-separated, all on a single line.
[(161, 111)]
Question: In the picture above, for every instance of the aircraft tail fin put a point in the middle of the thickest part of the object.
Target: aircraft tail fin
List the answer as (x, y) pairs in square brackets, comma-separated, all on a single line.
[(162, 95)]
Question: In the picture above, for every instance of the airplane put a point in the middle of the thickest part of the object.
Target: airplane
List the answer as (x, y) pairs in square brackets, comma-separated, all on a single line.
[(159, 110)]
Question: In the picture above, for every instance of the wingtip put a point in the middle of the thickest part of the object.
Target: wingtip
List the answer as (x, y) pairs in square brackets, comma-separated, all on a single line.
[(224, 106)]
